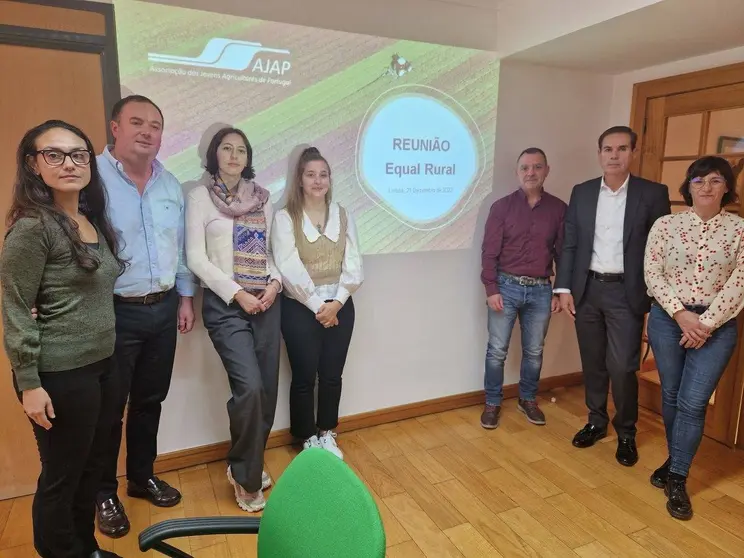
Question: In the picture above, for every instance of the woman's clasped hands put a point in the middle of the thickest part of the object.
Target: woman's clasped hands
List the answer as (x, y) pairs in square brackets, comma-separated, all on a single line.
[(252, 304), (694, 333), (328, 313)]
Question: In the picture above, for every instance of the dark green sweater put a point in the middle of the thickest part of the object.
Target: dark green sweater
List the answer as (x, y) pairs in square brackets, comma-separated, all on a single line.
[(75, 324)]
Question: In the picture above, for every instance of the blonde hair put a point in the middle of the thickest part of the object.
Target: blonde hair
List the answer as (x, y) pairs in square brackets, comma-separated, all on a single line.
[(295, 197)]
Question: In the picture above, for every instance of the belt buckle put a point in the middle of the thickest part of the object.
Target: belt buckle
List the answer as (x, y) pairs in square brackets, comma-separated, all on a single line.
[(527, 281), (149, 298)]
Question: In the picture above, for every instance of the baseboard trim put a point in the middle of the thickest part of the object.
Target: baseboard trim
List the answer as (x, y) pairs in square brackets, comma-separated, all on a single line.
[(215, 452)]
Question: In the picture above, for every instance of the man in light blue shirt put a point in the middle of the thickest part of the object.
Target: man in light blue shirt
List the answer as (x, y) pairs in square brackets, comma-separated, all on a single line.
[(153, 300)]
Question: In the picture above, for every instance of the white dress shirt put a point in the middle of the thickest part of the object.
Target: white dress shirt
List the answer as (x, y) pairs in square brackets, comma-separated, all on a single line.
[(295, 278), (607, 253), (209, 244), (609, 222)]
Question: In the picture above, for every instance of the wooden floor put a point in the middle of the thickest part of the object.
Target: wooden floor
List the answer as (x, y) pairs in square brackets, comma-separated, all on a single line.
[(446, 487)]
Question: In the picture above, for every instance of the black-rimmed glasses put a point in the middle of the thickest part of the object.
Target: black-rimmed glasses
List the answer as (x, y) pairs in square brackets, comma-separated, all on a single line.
[(56, 157)]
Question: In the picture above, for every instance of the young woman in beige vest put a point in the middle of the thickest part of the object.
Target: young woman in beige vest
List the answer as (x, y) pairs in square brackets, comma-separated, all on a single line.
[(317, 252), (228, 226)]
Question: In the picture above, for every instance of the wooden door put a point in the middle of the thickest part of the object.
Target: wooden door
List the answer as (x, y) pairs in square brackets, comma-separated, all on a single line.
[(63, 79), (679, 128)]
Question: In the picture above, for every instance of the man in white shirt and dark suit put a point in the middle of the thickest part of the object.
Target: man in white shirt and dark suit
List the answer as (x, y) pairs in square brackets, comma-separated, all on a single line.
[(600, 282)]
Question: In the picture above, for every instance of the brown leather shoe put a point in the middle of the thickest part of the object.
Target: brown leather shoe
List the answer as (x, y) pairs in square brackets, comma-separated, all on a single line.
[(112, 519), (157, 491), (490, 416), (531, 411)]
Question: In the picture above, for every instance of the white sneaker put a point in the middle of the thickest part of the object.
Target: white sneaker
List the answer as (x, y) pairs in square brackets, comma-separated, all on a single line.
[(250, 502), (328, 442), (266, 481), (311, 442)]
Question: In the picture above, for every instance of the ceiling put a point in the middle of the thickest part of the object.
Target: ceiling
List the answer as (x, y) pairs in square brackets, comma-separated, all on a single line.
[(663, 32), (486, 4), (589, 35)]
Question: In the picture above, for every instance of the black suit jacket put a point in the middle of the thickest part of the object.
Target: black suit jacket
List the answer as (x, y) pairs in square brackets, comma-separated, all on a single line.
[(646, 202)]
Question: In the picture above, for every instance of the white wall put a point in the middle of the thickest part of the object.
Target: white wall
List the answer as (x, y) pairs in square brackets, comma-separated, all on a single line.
[(420, 330), (622, 84), (563, 112), (526, 23)]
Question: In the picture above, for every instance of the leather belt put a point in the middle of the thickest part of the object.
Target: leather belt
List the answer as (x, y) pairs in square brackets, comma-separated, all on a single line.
[(151, 298), (526, 281), (607, 277)]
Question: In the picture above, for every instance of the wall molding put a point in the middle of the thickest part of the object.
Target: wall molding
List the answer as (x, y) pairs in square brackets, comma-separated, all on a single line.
[(215, 452)]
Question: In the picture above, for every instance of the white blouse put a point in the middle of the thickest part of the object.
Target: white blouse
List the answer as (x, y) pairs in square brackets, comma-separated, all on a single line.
[(296, 280), (694, 262), (209, 244)]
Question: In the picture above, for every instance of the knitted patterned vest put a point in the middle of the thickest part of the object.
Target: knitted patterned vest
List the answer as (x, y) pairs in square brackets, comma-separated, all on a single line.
[(323, 258)]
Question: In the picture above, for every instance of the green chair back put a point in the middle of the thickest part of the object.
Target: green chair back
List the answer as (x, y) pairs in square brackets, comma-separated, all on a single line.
[(320, 509)]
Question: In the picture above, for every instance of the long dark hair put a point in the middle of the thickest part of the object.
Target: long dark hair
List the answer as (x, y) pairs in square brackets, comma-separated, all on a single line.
[(213, 167), (33, 198), (295, 198)]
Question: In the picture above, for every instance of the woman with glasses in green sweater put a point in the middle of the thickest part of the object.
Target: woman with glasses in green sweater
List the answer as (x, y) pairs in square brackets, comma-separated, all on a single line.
[(60, 256)]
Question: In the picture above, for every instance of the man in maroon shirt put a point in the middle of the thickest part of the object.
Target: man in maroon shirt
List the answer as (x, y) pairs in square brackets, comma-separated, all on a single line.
[(524, 235)]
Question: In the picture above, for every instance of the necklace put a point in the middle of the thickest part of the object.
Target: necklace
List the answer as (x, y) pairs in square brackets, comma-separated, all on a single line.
[(319, 224)]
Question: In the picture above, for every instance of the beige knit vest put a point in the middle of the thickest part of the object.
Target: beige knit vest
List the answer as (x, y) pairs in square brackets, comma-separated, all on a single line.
[(323, 258)]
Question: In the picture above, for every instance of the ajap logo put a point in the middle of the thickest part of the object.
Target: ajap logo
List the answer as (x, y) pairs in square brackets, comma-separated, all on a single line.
[(229, 54)]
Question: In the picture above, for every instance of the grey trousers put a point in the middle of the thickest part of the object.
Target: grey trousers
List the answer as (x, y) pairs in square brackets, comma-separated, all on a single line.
[(609, 335), (249, 348)]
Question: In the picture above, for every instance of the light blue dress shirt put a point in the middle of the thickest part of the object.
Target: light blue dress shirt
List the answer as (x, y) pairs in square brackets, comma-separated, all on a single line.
[(150, 229)]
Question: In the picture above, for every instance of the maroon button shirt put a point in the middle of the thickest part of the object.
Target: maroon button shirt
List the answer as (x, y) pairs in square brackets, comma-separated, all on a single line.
[(522, 240)]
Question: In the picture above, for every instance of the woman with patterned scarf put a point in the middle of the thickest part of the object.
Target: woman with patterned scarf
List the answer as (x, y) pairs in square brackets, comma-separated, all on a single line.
[(228, 223)]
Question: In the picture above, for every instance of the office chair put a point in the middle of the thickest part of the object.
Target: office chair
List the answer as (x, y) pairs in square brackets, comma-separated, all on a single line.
[(318, 509)]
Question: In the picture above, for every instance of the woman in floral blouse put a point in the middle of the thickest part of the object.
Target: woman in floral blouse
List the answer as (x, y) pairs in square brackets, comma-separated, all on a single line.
[(694, 270)]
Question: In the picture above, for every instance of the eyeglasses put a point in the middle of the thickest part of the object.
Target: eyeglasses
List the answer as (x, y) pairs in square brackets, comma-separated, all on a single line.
[(56, 157), (716, 181)]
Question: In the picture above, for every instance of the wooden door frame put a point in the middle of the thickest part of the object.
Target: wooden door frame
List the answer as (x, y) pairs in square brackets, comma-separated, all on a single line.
[(103, 45), (65, 30), (686, 83), (683, 83)]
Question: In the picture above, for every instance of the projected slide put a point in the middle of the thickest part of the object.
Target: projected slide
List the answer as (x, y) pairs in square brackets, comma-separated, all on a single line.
[(407, 127)]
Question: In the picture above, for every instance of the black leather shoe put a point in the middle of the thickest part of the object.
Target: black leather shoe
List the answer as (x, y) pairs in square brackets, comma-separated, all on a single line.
[(112, 519), (157, 491), (627, 452), (104, 554), (588, 436), (678, 503), (660, 476)]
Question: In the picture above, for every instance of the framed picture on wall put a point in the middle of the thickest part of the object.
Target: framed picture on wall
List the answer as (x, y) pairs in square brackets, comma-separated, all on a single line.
[(730, 144)]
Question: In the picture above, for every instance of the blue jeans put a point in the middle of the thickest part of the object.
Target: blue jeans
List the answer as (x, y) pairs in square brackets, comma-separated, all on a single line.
[(531, 304), (688, 379)]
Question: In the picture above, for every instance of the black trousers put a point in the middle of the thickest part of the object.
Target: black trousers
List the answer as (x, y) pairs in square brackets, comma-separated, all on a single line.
[(145, 350), (609, 335), (72, 454), (315, 352), (249, 347)]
